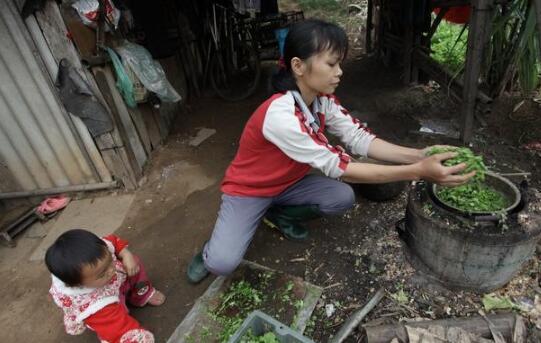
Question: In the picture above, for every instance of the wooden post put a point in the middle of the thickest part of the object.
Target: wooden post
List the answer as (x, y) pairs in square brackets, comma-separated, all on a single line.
[(408, 41), (479, 28), (380, 31), (369, 27)]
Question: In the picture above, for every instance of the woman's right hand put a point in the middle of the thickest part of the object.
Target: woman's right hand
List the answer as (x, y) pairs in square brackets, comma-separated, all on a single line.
[(432, 170)]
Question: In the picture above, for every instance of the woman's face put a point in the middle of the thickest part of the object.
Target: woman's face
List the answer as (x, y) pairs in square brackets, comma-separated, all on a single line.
[(322, 72)]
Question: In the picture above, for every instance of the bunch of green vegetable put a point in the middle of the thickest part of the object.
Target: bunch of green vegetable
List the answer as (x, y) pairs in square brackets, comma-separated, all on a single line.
[(268, 337), (474, 196), (464, 155)]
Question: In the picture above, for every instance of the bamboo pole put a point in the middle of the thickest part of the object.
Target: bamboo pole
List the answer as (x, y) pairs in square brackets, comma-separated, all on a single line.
[(60, 190)]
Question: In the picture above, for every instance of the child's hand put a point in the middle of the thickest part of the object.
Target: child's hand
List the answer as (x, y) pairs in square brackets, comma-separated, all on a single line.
[(129, 262)]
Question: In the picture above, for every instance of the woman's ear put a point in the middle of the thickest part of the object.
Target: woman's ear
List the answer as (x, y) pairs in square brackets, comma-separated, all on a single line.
[(298, 67)]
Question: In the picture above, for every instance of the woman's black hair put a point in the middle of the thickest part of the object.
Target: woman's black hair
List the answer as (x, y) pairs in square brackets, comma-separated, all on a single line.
[(305, 39), (71, 251)]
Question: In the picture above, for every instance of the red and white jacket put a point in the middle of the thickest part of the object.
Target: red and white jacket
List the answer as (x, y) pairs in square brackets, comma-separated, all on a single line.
[(278, 147), (100, 309)]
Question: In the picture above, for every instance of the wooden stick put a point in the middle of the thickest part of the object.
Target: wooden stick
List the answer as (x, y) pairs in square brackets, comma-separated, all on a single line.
[(476, 325), (356, 318), (515, 174)]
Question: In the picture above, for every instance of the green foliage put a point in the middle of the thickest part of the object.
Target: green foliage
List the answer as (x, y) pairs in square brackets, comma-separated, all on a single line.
[(268, 337), (331, 10), (239, 300), (512, 52), (474, 196), (400, 297), (321, 5), (496, 302), (464, 155), (449, 45)]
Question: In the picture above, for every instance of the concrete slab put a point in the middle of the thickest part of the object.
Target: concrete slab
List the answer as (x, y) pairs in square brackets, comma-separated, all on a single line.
[(101, 216), (202, 135)]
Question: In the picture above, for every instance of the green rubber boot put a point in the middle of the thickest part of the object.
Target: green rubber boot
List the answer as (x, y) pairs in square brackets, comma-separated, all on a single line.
[(197, 270), (288, 220)]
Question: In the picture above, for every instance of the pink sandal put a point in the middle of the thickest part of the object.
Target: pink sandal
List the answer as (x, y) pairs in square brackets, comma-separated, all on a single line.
[(53, 204)]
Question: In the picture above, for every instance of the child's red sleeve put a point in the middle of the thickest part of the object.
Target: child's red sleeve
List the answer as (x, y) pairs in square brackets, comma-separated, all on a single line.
[(112, 322), (118, 243)]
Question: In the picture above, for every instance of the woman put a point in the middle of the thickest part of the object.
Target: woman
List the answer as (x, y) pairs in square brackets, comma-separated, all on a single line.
[(285, 138)]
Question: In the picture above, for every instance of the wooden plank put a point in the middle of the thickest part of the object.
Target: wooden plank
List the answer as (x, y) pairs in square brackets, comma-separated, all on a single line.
[(125, 119), (151, 125), (115, 157), (141, 128), (104, 84), (479, 30), (83, 36), (162, 123)]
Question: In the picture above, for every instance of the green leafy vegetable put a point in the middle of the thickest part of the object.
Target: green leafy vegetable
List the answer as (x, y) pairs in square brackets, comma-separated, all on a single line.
[(474, 196)]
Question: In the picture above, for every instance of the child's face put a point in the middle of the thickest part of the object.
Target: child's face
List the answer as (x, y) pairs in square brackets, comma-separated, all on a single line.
[(323, 72), (98, 275)]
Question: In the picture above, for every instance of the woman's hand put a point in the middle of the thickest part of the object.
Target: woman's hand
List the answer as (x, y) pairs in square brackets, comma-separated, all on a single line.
[(424, 152), (432, 169), (129, 262)]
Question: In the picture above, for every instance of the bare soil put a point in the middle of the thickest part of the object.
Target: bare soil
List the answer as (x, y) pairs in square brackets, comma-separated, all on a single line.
[(350, 255)]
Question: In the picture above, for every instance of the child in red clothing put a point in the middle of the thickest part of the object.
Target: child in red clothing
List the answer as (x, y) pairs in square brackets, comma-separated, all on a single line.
[(91, 280)]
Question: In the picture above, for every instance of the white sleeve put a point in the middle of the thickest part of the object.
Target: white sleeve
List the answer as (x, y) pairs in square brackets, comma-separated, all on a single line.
[(284, 129), (355, 136)]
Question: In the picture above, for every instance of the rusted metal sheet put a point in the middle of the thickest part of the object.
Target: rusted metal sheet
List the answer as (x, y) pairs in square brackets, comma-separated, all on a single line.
[(38, 146)]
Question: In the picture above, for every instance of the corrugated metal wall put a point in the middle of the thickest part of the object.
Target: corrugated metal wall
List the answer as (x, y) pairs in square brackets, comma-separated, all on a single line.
[(38, 148)]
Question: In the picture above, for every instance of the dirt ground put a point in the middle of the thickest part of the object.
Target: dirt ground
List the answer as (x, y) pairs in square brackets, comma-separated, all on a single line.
[(351, 255)]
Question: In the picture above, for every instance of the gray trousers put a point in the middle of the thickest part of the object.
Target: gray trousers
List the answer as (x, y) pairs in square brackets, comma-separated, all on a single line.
[(239, 217)]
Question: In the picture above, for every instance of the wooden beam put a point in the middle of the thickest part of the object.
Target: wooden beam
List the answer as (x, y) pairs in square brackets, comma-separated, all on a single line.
[(369, 27), (449, 3), (436, 23), (479, 30), (408, 41), (477, 325)]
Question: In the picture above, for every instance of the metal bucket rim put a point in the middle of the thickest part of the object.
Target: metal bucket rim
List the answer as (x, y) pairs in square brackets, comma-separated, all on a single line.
[(433, 188)]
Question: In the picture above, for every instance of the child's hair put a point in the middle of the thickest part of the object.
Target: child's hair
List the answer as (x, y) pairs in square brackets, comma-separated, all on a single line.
[(71, 251), (305, 39)]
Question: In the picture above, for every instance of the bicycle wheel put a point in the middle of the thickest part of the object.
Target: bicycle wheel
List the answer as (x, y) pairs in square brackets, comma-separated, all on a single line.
[(235, 73)]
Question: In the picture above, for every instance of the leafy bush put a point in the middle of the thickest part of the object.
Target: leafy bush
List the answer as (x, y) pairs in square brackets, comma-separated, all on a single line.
[(449, 45)]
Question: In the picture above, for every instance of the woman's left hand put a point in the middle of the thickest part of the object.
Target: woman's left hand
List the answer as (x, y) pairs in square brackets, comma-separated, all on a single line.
[(129, 262), (424, 152)]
